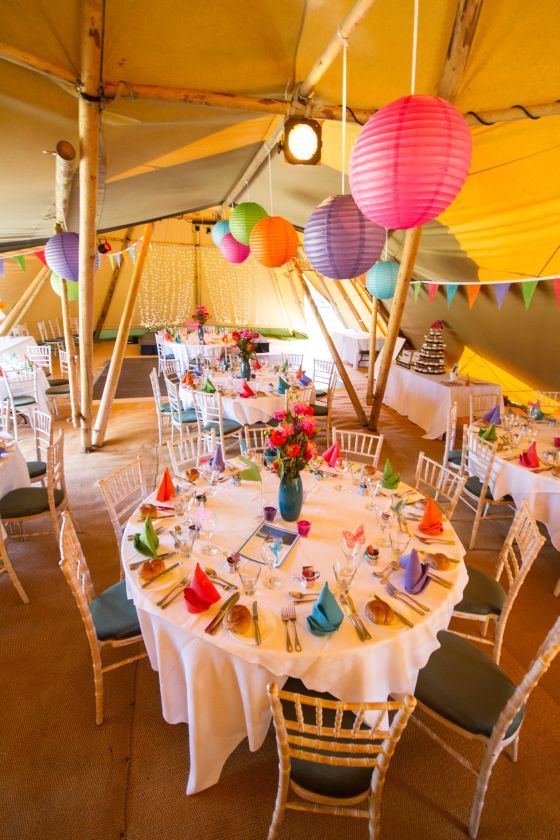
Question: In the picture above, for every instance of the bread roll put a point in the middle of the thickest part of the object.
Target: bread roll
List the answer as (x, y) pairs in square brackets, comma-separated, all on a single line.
[(238, 619), (151, 568), (440, 562), (193, 475), (148, 510), (379, 612), (369, 470)]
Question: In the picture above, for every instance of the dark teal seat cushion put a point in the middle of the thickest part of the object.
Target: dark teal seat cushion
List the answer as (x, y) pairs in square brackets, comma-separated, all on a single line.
[(27, 501), (320, 409), (342, 782), (455, 456), (230, 426), (53, 383), (165, 408), (321, 393), (36, 468), (465, 686), (114, 616), (188, 415), (22, 400), (474, 486), (482, 595), (57, 390)]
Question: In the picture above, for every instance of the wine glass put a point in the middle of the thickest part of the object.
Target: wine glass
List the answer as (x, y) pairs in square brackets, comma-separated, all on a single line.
[(373, 489), (343, 466), (344, 570), (269, 557), (208, 524), (385, 520), (350, 550)]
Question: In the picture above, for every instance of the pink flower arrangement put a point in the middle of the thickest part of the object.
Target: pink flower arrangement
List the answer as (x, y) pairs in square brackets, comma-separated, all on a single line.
[(200, 315), (292, 440), (244, 342)]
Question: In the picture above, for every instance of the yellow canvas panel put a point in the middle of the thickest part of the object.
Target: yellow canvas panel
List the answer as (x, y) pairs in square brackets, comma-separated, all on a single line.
[(477, 367)]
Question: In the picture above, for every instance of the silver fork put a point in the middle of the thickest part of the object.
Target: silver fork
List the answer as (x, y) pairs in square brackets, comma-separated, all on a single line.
[(286, 618), (406, 598), (291, 610)]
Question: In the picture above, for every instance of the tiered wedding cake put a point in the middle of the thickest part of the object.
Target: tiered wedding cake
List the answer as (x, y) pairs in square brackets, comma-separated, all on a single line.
[(431, 358)]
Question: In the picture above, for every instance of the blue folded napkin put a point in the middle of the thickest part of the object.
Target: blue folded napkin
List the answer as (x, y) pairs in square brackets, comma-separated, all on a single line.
[(415, 572), (493, 416), (326, 616), (304, 381), (197, 371), (217, 459), (283, 386)]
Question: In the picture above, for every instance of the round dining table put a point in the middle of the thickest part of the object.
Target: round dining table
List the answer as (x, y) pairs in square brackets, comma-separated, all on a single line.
[(13, 467), (217, 684)]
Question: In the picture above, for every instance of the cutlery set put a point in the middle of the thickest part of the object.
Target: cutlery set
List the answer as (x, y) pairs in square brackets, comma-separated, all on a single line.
[(348, 606)]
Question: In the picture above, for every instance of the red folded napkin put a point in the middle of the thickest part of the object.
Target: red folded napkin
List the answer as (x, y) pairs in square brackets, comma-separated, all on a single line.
[(332, 455), (201, 593), (246, 391), (431, 521), (530, 457), (188, 379), (166, 489), (257, 365), (299, 373)]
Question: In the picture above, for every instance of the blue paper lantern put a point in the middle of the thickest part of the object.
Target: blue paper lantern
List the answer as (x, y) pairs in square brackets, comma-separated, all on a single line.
[(219, 231), (381, 279), (62, 255), (338, 240)]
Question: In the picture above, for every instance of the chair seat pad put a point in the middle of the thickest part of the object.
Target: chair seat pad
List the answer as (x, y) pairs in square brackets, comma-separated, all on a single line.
[(165, 408), (114, 616), (53, 383), (342, 782), (36, 468), (482, 595), (27, 501), (455, 456), (474, 486), (321, 393), (188, 415), (230, 426), (320, 410), (462, 684), (57, 390), (22, 400)]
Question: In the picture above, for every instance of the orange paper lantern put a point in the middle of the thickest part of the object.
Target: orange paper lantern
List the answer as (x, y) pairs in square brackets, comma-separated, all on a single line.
[(273, 241)]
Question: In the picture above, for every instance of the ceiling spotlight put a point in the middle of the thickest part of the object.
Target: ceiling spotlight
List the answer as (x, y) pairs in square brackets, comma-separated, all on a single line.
[(208, 230), (302, 141), (197, 228)]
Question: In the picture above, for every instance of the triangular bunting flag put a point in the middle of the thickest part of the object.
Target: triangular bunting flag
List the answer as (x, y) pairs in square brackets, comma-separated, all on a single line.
[(40, 256), (501, 290), (451, 292), (416, 291), (118, 258), (472, 293), (432, 291), (111, 260), (20, 259), (2, 267), (132, 252), (528, 290), (557, 289)]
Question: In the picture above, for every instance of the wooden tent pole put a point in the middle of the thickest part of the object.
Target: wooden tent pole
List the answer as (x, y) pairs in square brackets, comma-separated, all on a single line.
[(372, 351), (88, 117), (334, 352), (25, 300), (71, 351), (120, 343), (64, 172), (112, 286), (406, 268)]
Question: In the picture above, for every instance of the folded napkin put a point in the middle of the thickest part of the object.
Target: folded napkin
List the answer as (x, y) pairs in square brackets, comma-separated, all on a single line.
[(326, 616), (166, 489), (257, 365), (147, 541), (246, 391), (299, 372), (488, 434), (201, 593), (252, 473), (537, 404), (332, 455), (530, 457), (177, 339), (493, 416), (304, 380), (390, 479), (167, 336), (188, 379), (415, 572), (283, 386), (431, 521), (208, 386), (217, 460), (353, 538), (557, 442)]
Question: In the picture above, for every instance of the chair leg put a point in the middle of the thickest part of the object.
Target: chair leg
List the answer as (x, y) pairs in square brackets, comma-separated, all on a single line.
[(480, 792), (98, 678), (513, 749), (280, 806), (476, 525), (8, 568)]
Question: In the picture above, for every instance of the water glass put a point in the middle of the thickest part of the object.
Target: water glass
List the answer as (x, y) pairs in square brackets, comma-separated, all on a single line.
[(180, 504), (399, 543), (269, 558), (385, 520), (207, 522), (344, 571), (373, 490), (249, 574)]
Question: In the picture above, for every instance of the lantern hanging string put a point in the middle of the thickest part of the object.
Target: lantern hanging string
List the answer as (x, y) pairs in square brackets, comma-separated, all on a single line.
[(343, 121), (247, 190), (414, 49), (386, 243), (271, 205)]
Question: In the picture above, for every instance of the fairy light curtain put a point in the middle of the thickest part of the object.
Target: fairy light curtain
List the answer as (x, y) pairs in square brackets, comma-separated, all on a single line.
[(167, 291)]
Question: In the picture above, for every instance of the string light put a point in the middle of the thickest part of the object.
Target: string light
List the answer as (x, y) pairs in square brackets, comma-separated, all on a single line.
[(229, 290), (166, 294)]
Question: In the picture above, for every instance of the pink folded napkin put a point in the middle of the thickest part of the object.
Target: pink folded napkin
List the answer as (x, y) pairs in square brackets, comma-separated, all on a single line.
[(332, 455), (201, 593), (257, 365), (557, 441), (246, 391), (530, 457)]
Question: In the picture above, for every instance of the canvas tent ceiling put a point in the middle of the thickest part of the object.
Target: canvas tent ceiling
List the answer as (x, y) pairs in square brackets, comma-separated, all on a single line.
[(163, 158)]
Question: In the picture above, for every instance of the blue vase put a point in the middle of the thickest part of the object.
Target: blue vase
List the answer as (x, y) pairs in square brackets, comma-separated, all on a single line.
[(201, 334), (290, 498), (245, 369)]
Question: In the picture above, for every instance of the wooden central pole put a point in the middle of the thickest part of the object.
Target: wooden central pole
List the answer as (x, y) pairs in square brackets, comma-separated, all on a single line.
[(120, 343), (89, 105), (372, 351), (23, 303), (71, 351)]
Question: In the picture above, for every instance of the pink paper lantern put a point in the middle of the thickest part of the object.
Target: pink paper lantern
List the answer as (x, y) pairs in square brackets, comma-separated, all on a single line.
[(410, 161), (232, 250)]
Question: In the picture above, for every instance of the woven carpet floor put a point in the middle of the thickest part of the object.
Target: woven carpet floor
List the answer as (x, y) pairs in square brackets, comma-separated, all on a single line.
[(63, 778), (134, 382)]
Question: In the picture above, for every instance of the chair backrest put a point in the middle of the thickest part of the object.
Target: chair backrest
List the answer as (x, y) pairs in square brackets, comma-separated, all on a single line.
[(74, 564), (549, 400), (257, 439), (21, 383), (64, 364), (189, 450), (154, 380), (176, 412), (480, 403), (447, 485), (269, 358), (359, 446), (5, 416), (42, 424), (478, 457), (299, 395), (295, 360), (322, 370), (450, 431), (19, 330), (55, 469), (40, 356), (208, 408), (318, 730), (41, 326), (54, 325), (122, 492), (171, 368), (74, 325)]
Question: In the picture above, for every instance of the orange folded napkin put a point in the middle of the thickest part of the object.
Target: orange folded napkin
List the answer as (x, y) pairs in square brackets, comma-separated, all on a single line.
[(201, 593), (431, 521), (246, 391), (188, 379), (530, 457), (166, 489), (332, 455), (299, 373)]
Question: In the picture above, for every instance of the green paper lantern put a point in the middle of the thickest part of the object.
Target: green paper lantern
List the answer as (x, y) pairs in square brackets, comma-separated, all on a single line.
[(244, 218), (73, 288)]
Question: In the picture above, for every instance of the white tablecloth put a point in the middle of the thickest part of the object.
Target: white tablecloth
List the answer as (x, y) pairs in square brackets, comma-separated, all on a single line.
[(13, 470), (425, 400), (13, 354), (209, 351), (217, 684), (350, 343)]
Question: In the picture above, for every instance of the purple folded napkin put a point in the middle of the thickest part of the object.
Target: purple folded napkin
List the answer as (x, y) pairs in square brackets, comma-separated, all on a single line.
[(493, 416), (304, 380), (217, 459), (415, 572)]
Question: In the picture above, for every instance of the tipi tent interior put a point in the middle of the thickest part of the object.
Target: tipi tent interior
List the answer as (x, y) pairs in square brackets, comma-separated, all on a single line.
[(391, 450)]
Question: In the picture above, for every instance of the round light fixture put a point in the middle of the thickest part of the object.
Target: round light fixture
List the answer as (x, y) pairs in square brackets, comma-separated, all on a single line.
[(302, 141)]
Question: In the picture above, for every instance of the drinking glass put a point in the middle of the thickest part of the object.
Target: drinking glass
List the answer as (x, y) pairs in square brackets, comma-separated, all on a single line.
[(373, 489), (399, 543), (269, 557), (351, 552), (344, 571), (208, 525), (249, 574), (385, 521), (180, 504), (343, 466)]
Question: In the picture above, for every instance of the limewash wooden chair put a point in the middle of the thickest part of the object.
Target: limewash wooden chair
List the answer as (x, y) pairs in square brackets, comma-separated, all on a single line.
[(323, 410), (451, 456), (358, 446), (163, 408), (322, 372), (44, 435), (188, 452), (6, 566), (256, 438), (480, 404), (443, 484), (209, 417), (122, 492), (294, 360), (181, 418)]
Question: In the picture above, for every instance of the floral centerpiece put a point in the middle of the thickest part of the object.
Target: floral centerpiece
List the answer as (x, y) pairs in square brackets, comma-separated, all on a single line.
[(245, 347), (200, 316), (292, 441)]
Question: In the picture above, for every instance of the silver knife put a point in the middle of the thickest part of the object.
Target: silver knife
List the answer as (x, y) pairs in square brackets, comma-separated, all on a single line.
[(149, 582), (363, 628), (403, 618), (138, 563), (221, 614), (352, 618), (256, 622)]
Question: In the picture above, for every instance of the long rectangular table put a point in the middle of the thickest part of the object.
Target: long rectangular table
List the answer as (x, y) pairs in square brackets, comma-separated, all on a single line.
[(350, 343)]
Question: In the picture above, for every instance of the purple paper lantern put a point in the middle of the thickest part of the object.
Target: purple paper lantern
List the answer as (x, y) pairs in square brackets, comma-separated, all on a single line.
[(62, 255), (233, 251), (339, 241)]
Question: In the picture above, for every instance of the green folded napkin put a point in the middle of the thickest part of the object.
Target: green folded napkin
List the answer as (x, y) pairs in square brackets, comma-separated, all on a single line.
[(390, 479), (208, 386), (488, 434), (326, 616), (252, 473), (147, 541), (283, 386)]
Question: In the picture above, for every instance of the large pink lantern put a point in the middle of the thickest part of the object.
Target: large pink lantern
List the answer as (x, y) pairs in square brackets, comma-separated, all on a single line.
[(410, 161), (62, 255), (233, 251)]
